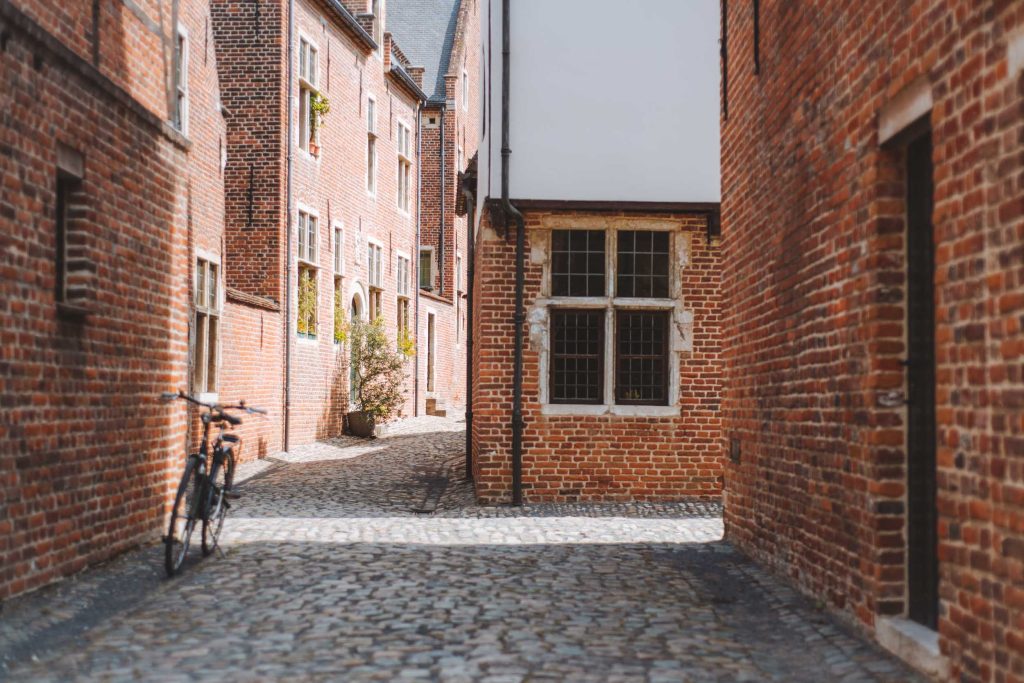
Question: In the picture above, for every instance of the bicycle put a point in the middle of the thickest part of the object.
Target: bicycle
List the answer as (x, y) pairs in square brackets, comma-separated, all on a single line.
[(203, 493)]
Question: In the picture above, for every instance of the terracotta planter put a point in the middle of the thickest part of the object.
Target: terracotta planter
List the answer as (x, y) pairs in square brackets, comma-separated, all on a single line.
[(361, 424)]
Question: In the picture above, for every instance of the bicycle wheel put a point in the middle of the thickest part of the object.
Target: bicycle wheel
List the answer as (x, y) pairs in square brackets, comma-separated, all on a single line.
[(184, 516), (221, 478)]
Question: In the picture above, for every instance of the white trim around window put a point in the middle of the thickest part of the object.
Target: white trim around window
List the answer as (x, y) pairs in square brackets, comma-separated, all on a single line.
[(308, 83), (372, 154)]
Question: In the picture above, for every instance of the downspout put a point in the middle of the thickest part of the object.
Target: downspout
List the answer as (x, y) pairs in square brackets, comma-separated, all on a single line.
[(520, 316), (288, 239), (419, 222), (440, 232), (470, 197)]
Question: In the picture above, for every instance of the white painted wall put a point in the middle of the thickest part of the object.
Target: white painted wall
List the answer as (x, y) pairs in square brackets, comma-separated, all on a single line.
[(611, 101)]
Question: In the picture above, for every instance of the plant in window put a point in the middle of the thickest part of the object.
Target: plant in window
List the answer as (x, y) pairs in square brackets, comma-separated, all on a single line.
[(377, 371), (307, 302), (319, 106), (406, 343), (340, 320)]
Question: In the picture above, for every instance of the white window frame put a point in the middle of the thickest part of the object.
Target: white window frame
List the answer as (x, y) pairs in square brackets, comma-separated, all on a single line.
[(419, 271), (303, 261), (402, 279), (215, 312), (404, 132), (306, 89), (378, 260), (338, 247), (458, 271), (465, 90), (181, 95), (371, 150), (681, 319)]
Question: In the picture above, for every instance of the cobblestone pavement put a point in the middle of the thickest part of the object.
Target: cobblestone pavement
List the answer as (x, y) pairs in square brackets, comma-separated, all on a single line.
[(330, 575)]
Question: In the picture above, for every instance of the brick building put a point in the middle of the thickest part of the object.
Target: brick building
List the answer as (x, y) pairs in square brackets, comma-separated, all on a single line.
[(321, 210), (618, 361), (95, 213), (442, 37), (873, 204)]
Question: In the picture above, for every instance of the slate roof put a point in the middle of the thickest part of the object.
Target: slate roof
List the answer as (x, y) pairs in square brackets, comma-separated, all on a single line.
[(426, 31)]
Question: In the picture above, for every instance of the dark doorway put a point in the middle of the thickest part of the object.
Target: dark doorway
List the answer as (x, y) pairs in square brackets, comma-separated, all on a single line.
[(922, 546)]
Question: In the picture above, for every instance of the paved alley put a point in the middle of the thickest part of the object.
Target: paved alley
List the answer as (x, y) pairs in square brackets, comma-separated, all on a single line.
[(329, 575)]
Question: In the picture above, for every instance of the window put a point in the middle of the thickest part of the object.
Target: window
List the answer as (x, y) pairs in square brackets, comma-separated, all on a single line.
[(180, 119), (426, 269), (643, 264), (641, 357), (577, 353), (640, 331), (307, 299), (431, 351), (404, 165), (577, 263), (458, 272), (371, 146), (309, 77), (460, 167), (375, 270), (402, 271), (402, 266), (339, 251), (207, 327), (339, 303), (465, 90)]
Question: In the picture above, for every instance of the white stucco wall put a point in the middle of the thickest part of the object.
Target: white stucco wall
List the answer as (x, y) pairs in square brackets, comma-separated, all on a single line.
[(611, 101)]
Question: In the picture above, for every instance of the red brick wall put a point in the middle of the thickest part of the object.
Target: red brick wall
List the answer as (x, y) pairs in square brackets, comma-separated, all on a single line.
[(460, 130), (813, 212), (87, 453), (593, 458)]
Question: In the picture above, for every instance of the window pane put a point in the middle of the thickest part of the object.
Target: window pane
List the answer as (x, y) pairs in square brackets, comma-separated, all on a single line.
[(642, 269), (426, 277), (577, 263), (303, 51), (370, 152), (200, 282), (302, 235), (211, 364), (577, 356), (199, 354), (311, 241), (212, 270), (312, 66), (641, 357)]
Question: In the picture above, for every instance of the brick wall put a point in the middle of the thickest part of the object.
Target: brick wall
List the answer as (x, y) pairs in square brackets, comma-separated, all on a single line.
[(87, 453), (461, 131), (813, 213), (594, 457)]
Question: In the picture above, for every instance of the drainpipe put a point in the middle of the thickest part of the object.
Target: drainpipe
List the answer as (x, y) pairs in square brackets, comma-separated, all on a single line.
[(470, 273), (440, 232), (288, 240), (520, 316), (416, 284)]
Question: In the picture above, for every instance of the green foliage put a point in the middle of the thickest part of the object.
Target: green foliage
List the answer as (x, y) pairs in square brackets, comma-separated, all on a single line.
[(320, 106), (340, 319), (307, 302), (406, 344), (378, 368)]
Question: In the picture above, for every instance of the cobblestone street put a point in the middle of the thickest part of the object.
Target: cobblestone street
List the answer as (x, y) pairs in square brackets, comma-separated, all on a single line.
[(330, 575)]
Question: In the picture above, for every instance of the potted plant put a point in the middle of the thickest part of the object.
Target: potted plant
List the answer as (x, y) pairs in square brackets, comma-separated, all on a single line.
[(378, 373), (319, 106)]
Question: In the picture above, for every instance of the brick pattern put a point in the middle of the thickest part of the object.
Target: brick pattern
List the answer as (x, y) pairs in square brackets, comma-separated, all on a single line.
[(86, 451), (593, 458), (813, 211), (461, 130)]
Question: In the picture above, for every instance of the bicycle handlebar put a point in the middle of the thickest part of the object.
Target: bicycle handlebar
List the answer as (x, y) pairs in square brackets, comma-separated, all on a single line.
[(169, 396)]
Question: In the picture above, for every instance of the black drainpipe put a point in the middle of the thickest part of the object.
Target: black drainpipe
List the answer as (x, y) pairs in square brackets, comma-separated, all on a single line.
[(470, 197), (520, 316), (440, 232)]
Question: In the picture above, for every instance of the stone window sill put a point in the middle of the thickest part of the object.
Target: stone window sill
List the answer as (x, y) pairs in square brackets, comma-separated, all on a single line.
[(915, 644), (560, 409)]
